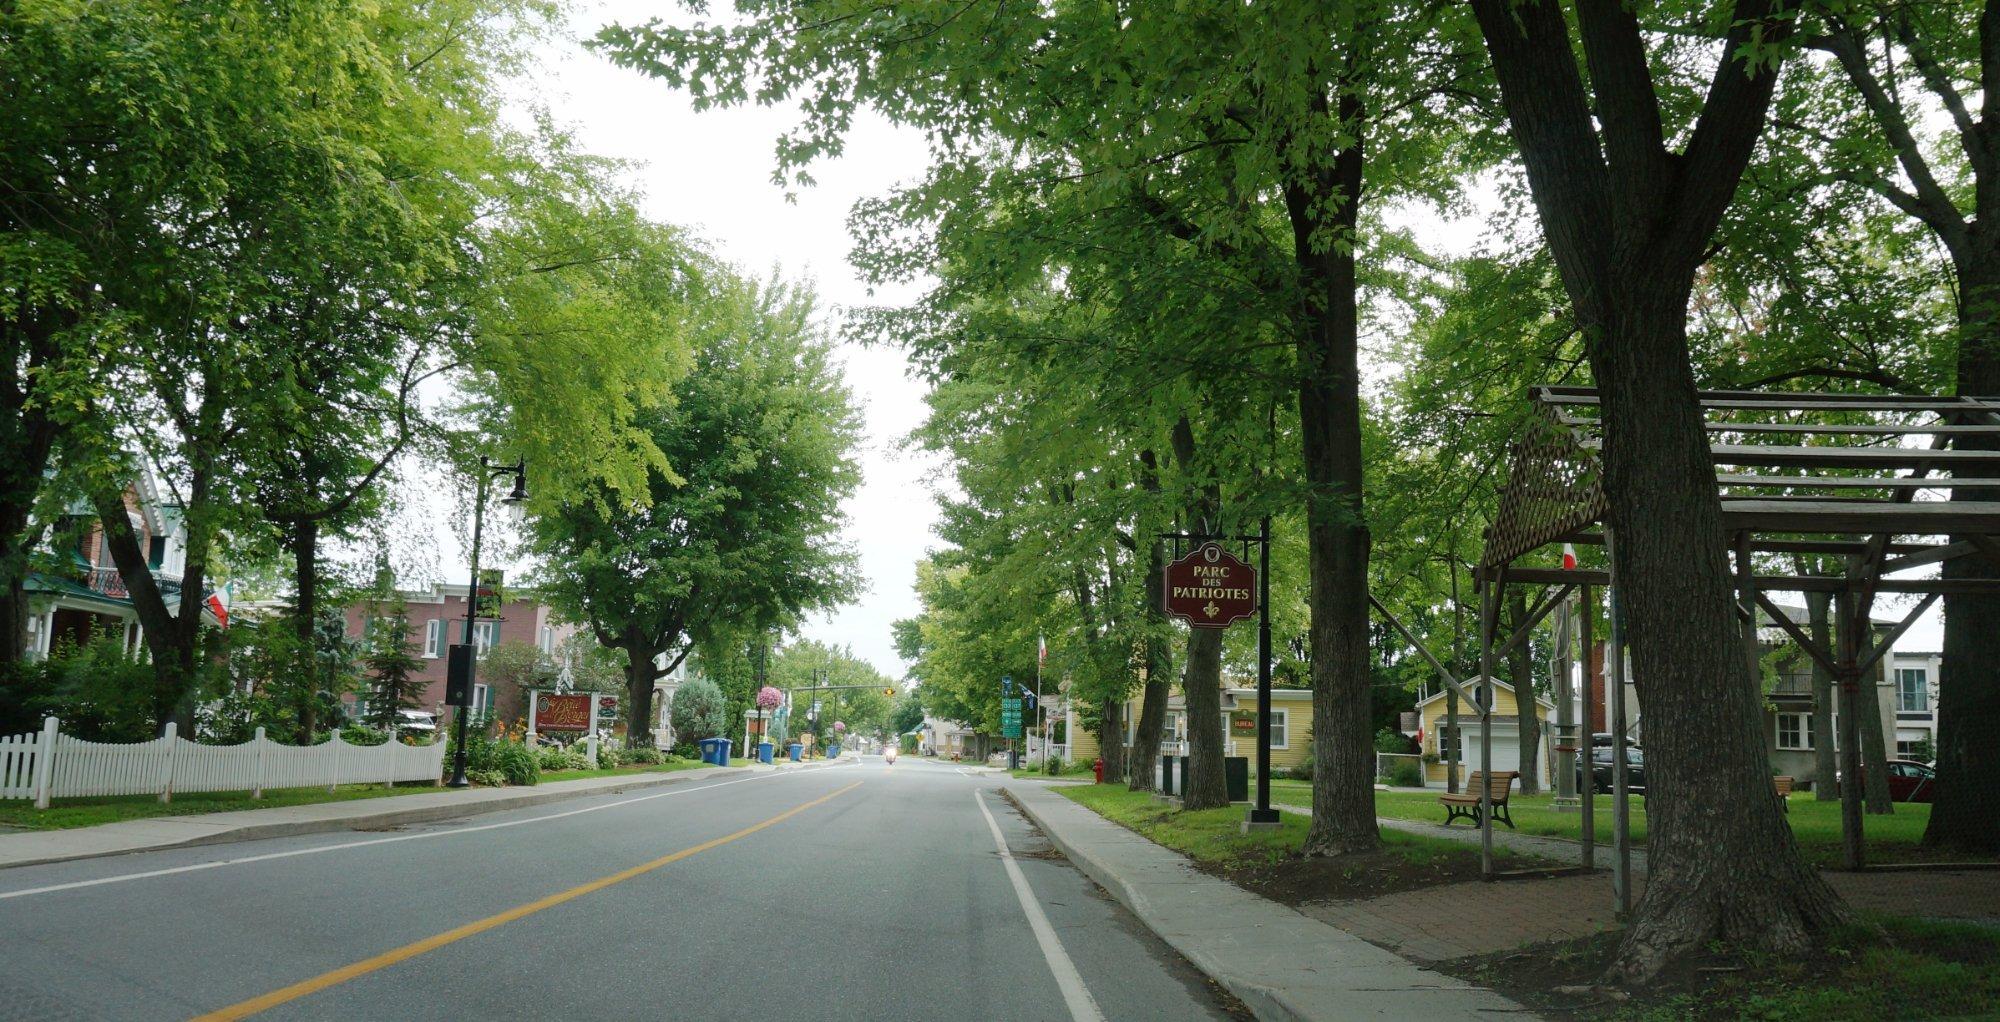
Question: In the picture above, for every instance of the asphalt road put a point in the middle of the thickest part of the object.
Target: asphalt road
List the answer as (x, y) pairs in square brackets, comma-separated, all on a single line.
[(855, 891)]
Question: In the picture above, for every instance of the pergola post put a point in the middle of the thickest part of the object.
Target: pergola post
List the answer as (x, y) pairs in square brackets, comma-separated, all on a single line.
[(1847, 679), (1489, 605), (1621, 807), (1586, 791)]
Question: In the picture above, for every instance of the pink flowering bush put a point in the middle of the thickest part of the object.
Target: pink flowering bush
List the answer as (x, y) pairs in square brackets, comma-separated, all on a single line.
[(769, 697), (839, 726)]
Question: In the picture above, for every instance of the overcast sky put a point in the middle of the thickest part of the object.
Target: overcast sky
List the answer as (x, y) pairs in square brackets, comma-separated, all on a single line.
[(712, 172)]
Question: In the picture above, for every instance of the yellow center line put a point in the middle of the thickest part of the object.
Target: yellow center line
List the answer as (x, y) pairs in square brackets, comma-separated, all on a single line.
[(245, 1009)]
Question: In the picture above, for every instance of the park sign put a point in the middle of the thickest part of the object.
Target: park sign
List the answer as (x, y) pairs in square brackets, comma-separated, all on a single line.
[(1211, 587), (1010, 718)]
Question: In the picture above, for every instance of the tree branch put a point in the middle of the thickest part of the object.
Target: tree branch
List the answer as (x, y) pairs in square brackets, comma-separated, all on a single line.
[(1942, 216)]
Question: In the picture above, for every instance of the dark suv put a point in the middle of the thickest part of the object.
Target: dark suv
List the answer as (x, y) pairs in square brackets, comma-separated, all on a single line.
[(1600, 769)]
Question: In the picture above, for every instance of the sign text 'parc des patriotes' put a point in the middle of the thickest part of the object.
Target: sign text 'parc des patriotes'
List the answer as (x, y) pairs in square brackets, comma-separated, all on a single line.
[(1211, 587)]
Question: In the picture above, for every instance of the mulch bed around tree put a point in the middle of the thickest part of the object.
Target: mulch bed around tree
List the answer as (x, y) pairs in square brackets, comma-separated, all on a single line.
[(1909, 969), (1297, 880)]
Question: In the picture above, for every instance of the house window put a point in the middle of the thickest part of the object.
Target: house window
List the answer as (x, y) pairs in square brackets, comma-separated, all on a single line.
[(482, 700), (547, 640), (1795, 732), (1281, 721), (485, 636), (1913, 744), (1913, 694), (358, 709), (1447, 743), (433, 638)]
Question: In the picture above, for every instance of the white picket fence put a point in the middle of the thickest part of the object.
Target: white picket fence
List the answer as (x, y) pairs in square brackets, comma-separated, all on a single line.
[(55, 765)]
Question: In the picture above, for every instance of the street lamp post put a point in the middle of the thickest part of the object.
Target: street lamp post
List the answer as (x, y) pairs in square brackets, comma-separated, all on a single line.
[(487, 472)]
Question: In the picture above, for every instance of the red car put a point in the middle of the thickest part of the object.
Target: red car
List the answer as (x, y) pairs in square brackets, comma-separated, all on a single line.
[(1911, 781)]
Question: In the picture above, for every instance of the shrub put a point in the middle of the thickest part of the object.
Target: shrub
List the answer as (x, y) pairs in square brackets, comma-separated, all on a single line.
[(517, 763), (1391, 740), (1406, 774), (1304, 771), (643, 757), (686, 750), (607, 756), (698, 710), (1054, 765), (909, 743), (487, 778)]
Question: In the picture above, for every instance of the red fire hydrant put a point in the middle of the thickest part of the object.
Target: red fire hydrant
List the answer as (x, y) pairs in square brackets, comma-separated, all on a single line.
[(1097, 767)]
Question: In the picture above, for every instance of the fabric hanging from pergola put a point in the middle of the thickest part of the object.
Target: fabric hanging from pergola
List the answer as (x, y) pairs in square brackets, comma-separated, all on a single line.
[(1870, 478)]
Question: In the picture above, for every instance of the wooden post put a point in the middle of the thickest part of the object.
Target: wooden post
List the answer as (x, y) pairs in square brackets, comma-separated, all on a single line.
[(1489, 606), (1586, 791), (258, 790), (172, 738), (1848, 679), (333, 746), (1621, 807), (45, 761)]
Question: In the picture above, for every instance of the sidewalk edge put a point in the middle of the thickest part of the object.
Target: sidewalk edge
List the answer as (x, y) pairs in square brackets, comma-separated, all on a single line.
[(388, 818)]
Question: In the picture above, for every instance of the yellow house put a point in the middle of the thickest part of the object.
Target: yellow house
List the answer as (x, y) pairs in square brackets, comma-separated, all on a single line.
[(1291, 720), (1437, 738)]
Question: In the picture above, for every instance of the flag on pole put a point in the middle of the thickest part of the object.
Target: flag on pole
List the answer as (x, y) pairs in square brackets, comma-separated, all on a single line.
[(1569, 557), (1041, 650), (219, 606)]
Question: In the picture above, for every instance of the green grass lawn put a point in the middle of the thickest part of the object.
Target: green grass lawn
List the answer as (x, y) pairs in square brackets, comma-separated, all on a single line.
[(64, 813), (658, 768), (1072, 770), (1816, 824), (1216, 835)]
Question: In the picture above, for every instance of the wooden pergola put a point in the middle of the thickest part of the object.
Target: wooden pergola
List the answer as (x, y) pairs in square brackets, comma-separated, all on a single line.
[(1855, 476)]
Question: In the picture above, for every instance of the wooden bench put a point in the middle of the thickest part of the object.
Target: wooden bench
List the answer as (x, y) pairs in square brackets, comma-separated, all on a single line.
[(1783, 786), (1466, 803)]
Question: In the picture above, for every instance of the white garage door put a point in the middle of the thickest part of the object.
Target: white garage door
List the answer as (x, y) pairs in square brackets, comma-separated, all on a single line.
[(1506, 749)]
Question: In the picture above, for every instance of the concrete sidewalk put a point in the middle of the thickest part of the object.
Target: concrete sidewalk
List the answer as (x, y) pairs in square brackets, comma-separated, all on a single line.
[(35, 847), (1282, 964)]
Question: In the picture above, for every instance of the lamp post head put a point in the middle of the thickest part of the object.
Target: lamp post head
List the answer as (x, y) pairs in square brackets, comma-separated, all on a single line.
[(520, 491)]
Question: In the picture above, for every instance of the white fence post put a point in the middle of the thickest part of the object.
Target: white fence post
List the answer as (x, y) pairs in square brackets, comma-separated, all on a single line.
[(172, 738), (333, 747), (257, 791), (45, 761)]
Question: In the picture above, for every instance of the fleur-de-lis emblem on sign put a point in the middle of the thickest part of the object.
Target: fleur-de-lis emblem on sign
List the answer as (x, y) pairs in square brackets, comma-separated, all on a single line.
[(1211, 610)]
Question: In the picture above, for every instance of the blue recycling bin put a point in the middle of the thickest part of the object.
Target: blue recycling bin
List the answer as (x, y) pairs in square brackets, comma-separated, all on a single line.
[(833, 750), (796, 749), (764, 752), (715, 751)]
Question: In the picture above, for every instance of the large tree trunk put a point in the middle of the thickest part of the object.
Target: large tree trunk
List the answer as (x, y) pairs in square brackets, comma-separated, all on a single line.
[(1521, 674), (305, 578), (1157, 655), (640, 672), (1968, 706), (1629, 221), (1826, 763), (170, 637), (1110, 738), (1721, 866), (1323, 209), (1201, 693), (27, 438)]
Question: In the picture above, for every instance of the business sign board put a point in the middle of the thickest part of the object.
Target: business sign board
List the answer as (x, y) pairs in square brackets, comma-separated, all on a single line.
[(1210, 587), (561, 712), (1243, 724)]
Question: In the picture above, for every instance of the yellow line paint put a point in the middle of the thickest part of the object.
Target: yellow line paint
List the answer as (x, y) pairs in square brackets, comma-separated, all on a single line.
[(255, 1005)]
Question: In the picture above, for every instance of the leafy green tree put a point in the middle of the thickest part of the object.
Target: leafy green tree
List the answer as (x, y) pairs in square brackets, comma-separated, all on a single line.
[(392, 666), (1629, 221), (760, 437)]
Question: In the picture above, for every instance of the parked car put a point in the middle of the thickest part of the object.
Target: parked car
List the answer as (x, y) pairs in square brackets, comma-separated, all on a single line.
[(1600, 768), (1909, 781)]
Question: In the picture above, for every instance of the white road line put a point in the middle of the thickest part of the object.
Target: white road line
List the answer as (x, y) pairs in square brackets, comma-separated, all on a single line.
[(1082, 1006), (219, 863)]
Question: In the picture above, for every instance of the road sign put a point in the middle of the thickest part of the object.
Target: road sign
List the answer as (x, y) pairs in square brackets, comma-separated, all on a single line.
[(1010, 718), (1210, 587), (1007, 686)]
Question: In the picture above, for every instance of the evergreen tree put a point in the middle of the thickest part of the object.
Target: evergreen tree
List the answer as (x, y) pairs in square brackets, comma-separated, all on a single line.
[(392, 666)]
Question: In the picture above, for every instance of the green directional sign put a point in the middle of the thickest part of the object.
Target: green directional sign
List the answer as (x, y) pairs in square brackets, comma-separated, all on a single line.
[(1010, 718)]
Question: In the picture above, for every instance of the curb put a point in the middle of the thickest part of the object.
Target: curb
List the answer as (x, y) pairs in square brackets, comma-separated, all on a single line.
[(1267, 1002), (387, 818)]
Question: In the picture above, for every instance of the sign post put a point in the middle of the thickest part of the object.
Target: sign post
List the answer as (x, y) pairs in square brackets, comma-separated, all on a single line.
[(1212, 588)]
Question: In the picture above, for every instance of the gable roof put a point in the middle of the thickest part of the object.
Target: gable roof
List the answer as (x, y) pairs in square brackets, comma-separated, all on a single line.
[(1540, 700)]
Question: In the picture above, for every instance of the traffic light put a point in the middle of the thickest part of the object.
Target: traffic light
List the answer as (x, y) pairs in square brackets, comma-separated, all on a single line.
[(889, 690)]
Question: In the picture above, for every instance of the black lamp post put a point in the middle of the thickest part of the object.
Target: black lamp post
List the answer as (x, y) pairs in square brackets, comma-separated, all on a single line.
[(487, 472)]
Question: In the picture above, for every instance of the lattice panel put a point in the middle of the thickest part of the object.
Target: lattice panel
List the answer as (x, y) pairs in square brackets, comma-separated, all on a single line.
[(1554, 488)]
